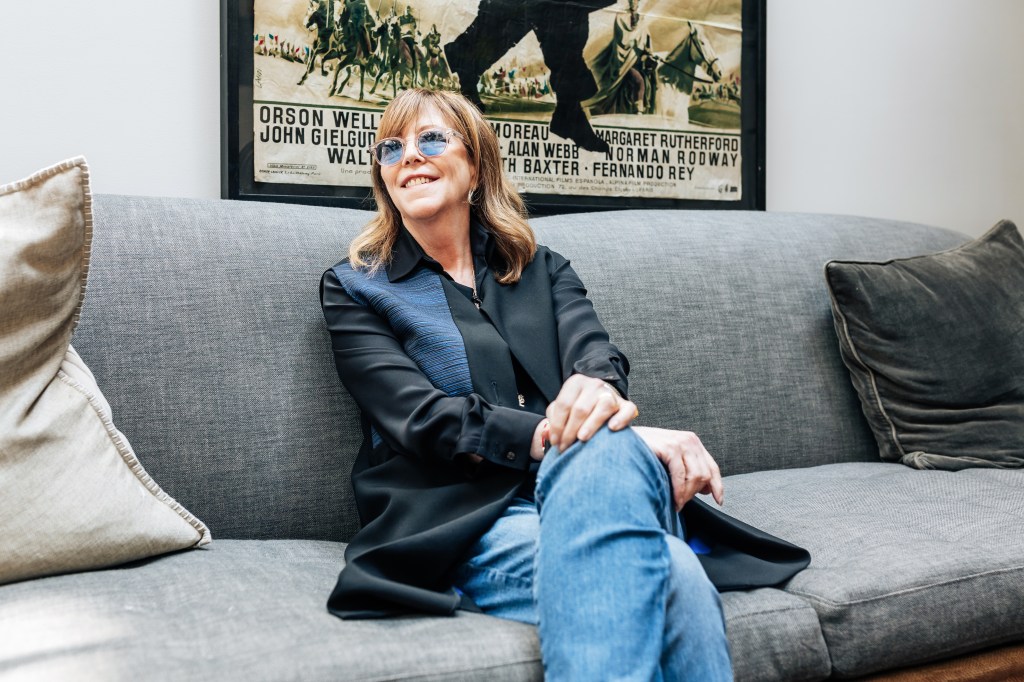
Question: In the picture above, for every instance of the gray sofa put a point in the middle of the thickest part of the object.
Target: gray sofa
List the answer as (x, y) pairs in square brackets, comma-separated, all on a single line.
[(202, 325)]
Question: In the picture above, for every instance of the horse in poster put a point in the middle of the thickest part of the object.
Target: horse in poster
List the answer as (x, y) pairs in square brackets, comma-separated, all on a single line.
[(694, 52)]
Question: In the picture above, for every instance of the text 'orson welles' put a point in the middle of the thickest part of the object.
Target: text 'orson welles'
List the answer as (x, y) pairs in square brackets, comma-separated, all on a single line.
[(346, 136)]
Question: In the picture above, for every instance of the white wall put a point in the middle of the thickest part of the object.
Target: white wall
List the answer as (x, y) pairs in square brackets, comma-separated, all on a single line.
[(134, 86), (908, 109)]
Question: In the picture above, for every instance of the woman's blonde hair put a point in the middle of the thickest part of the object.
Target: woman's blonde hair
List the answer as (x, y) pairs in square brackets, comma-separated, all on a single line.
[(494, 200)]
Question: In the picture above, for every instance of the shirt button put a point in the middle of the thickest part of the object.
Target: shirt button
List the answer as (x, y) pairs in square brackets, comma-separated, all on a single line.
[(510, 456)]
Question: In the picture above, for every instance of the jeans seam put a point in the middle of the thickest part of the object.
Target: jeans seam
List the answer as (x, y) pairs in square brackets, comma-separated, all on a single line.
[(666, 594)]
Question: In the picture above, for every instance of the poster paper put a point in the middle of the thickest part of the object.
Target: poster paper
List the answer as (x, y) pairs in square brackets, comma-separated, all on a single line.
[(630, 98)]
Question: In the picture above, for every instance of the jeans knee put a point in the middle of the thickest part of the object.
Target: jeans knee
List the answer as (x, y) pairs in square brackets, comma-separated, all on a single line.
[(612, 464)]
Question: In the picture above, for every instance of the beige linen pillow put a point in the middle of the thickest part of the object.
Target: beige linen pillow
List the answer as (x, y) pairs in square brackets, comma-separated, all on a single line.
[(73, 495)]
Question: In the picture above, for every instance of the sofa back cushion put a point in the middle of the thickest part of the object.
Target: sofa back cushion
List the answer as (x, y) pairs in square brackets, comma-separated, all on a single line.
[(726, 321), (203, 318)]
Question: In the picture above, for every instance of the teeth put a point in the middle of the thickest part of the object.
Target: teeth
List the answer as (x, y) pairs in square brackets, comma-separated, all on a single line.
[(417, 181)]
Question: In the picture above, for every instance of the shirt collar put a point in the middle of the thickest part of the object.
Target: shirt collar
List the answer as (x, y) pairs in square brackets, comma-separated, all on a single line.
[(408, 255)]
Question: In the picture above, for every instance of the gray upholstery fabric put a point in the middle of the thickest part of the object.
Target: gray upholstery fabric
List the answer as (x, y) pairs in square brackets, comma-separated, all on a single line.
[(935, 348), (725, 319), (239, 610), (907, 566), (224, 379), (774, 635)]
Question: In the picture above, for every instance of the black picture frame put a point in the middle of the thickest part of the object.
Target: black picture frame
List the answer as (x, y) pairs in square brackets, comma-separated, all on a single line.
[(237, 169)]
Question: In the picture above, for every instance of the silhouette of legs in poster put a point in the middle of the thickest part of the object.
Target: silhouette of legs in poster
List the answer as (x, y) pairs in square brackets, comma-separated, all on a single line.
[(562, 28)]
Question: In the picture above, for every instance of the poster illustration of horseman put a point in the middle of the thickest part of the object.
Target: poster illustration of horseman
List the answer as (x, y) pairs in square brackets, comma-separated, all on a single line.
[(601, 98)]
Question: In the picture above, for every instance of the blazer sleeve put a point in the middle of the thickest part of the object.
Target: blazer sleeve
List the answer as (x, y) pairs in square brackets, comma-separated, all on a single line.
[(583, 342), (410, 414)]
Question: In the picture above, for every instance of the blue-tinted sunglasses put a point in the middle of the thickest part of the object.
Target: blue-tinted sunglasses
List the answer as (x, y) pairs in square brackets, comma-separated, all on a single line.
[(430, 142)]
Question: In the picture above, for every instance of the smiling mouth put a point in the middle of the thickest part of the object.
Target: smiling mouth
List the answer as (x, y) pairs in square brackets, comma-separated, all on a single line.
[(420, 180)]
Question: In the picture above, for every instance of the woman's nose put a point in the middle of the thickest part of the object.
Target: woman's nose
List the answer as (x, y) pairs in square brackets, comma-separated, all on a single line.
[(410, 152)]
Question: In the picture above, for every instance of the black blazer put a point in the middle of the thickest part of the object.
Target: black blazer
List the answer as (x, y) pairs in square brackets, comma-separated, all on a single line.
[(435, 380)]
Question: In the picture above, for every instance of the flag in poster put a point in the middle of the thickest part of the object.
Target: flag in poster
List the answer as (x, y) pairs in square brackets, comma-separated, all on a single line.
[(633, 98)]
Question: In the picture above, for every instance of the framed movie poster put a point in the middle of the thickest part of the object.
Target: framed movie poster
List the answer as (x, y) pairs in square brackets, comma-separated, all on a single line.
[(596, 103)]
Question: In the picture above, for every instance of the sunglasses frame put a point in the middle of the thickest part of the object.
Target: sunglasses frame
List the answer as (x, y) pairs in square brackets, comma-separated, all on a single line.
[(447, 132)]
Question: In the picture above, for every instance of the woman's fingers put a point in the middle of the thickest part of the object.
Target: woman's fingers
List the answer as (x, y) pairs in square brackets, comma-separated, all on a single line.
[(677, 477), (582, 407), (605, 406), (715, 486), (626, 413), (576, 416), (690, 466), (703, 474), (695, 478), (559, 410)]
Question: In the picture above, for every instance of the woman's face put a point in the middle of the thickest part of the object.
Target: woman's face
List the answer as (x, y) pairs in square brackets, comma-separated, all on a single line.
[(430, 188)]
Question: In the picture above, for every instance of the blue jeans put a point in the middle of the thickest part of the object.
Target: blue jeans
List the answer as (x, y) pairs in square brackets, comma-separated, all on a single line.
[(599, 565)]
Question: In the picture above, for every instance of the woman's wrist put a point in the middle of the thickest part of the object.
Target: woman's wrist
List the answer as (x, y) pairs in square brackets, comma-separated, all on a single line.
[(541, 440)]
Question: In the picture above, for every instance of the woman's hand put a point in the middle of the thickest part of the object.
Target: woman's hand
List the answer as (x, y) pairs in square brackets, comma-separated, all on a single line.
[(541, 435), (583, 406), (691, 468)]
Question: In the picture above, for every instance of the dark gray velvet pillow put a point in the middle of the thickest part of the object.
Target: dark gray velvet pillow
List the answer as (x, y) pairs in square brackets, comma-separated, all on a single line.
[(935, 349)]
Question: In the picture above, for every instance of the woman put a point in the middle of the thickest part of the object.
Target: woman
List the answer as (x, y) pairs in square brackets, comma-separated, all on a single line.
[(499, 469)]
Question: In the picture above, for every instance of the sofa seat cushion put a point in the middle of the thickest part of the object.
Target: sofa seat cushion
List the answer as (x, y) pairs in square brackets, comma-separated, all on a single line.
[(907, 566), (256, 610), (774, 635), (239, 610)]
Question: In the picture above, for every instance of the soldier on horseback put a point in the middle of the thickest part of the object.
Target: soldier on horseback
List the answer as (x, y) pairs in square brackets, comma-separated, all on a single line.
[(620, 71), (398, 54), (325, 45), (357, 37), (436, 65), (357, 27), (408, 24), (389, 35)]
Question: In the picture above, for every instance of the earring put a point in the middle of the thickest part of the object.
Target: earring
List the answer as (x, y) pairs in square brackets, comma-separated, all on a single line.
[(469, 197)]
